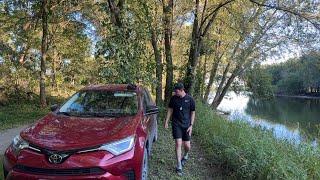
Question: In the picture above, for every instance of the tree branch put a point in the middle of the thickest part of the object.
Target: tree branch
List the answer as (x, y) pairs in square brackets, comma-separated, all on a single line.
[(212, 16), (316, 25)]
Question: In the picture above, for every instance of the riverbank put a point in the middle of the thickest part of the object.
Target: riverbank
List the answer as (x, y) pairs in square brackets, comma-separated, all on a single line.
[(246, 152), (297, 96)]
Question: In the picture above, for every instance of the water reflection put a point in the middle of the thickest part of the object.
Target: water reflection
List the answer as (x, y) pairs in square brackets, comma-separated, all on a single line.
[(293, 119)]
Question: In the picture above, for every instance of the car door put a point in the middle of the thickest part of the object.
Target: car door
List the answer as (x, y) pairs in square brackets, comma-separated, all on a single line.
[(146, 118), (149, 119)]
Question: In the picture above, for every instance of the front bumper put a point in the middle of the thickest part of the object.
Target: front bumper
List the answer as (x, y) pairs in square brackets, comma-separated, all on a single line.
[(91, 165)]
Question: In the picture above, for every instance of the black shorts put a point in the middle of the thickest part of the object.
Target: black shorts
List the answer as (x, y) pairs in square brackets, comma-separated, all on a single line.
[(180, 132)]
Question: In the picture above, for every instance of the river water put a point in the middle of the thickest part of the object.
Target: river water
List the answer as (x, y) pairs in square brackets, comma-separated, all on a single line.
[(293, 119)]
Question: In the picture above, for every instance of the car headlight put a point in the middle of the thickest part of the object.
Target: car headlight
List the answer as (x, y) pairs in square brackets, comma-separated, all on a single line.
[(119, 147), (18, 144)]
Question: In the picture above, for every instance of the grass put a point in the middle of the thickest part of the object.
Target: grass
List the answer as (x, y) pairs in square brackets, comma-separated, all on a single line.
[(245, 152), (14, 115), (18, 113)]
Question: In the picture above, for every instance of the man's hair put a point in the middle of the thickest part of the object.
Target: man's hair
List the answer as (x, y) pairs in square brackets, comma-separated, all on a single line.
[(179, 86)]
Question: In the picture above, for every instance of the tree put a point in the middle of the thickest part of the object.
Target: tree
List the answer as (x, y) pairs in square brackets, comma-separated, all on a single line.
[(259, 82), (199, 31), (44, 48), (167, 27)]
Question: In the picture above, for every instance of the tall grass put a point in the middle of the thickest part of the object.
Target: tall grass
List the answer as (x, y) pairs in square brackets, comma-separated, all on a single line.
[(251, 152)]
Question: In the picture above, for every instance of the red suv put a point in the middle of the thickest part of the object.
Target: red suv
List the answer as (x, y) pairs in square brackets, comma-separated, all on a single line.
[(101, 132)]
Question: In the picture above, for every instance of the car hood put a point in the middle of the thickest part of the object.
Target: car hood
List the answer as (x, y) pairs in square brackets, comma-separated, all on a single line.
[(62, 133)]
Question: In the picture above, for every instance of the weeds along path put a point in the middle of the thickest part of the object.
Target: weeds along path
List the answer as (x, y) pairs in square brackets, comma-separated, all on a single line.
[(162, 161)]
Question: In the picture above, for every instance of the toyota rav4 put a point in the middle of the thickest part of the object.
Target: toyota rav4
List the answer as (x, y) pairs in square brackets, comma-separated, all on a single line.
[(101, 132)]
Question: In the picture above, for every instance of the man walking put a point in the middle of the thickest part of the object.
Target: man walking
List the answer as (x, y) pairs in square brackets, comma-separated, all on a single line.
[(182, 109)]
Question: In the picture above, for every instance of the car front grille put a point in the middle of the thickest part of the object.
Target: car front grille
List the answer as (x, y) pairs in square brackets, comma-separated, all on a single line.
[(60, 172)]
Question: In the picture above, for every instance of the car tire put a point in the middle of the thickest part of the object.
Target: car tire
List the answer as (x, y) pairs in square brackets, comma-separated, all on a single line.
[(155, 138), (5, 172), (144, 170)]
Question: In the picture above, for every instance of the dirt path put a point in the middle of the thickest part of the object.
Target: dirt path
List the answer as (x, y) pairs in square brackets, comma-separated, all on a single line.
[(6, 137), (162, 161)]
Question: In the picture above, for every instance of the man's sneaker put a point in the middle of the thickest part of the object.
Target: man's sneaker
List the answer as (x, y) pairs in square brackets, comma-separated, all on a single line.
[(183, 161), (179, 171)]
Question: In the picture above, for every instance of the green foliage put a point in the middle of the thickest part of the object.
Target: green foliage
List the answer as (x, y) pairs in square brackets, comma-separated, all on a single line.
[(296, 76), (124, 53), (251, 152), (259, 82)]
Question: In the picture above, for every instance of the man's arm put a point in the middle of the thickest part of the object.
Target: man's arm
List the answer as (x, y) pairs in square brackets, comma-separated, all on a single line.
[(193, 115), (189, 130), (168, 117)]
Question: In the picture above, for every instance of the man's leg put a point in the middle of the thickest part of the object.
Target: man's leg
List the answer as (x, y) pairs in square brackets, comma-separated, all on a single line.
[(178, 152), (186, 144), (187, 147)]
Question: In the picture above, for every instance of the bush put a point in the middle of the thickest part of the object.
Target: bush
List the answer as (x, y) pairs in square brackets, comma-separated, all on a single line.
[(251, 152)]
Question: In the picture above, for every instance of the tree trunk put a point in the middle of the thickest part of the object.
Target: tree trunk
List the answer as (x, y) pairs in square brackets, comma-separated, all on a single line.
[(158, 58), (198, 79), (216, 103), (213, 73), (167, 20), (193, 54), (199, 31), (24, 54), (220, 88), (204, 75), (53, 68), (44, 45), (217, 58), (115, 10)]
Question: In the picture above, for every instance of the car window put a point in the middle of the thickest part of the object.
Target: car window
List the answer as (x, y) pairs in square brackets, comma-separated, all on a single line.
[(101, 103)]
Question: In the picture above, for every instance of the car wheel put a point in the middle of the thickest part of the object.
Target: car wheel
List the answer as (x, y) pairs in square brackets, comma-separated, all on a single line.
[(144, 172), (155, 138), (5, 172)]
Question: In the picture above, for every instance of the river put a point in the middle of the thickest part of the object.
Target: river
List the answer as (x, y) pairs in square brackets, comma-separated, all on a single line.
[(293, 119)]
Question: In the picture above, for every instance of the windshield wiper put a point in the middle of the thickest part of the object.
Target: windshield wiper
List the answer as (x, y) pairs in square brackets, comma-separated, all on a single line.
[(90, 114), (64, 113), (105, 115)]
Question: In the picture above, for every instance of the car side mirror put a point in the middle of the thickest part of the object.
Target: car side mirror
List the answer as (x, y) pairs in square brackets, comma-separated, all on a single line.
[(54, 107), (152, 109)]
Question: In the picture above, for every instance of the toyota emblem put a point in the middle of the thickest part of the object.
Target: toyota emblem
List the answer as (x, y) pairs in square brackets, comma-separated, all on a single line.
[(55, 158)]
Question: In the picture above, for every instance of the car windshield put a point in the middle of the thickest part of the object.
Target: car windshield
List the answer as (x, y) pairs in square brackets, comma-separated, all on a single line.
[(101, 104)]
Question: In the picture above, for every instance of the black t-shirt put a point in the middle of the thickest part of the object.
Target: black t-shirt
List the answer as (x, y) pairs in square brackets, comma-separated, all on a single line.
[(182, 108)]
